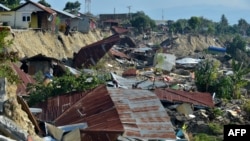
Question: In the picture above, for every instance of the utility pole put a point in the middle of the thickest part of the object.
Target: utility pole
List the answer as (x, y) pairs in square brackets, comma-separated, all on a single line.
[(129, 7), (87, 6)]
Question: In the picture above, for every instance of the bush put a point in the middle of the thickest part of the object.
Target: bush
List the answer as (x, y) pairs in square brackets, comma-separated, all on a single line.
[(246, 107), (216, 128), (205, 137)]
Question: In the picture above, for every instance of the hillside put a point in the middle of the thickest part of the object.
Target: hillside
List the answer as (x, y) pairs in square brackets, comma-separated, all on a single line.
[(30, 43)]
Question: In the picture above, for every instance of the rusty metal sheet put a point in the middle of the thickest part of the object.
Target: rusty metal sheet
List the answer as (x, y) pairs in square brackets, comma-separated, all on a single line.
[(117, 53), (120, 30), (32, 118), (25, 79), (142, 114), (129, 72), (96, 109), (196, 98), (89, 55), (55, 106)]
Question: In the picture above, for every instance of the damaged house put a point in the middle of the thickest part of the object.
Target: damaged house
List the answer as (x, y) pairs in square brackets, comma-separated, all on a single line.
[(111, 114)]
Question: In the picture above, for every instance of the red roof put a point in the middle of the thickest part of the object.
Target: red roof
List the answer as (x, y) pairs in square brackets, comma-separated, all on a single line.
[(25, 79), (44, 8), (111, 112), (120, 30), (91, 54), (118, 53), (129, 72), (196, 98)]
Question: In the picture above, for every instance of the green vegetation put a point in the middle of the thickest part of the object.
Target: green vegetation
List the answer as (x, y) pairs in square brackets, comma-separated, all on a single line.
[(246, 107), (61, 85), (205, 137), (208, 79), (6, 58), (142, 22), (43, 2), (217, 129), (72, 7)]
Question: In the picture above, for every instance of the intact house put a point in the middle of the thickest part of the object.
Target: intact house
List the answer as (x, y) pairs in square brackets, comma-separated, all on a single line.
[(87, 23), (30, 15), (64, 18)]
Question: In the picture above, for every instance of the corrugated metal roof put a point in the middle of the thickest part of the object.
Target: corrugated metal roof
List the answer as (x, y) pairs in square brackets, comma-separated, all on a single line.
[(25, 79), (119, 30), (96, 109), (142, 114), (196, 98), (55, 106), (91, 54), (129, 72), (65, 13), (47, 9), (31, 117), (117, 53), (109, 113), (142, 84)]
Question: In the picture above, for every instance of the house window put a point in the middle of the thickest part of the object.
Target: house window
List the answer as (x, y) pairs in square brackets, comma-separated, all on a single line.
[(26, 17)]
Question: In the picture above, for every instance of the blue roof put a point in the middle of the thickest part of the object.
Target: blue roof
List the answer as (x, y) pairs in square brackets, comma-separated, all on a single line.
[(217, 49)]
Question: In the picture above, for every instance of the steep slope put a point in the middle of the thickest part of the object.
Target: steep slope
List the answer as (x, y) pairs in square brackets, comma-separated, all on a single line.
[(30, 43)]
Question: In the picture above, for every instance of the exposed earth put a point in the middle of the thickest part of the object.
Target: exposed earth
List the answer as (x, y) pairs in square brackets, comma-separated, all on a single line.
[(30, 43)]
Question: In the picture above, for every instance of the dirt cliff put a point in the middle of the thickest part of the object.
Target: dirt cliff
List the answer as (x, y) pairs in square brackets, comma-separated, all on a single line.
[(29, 43)]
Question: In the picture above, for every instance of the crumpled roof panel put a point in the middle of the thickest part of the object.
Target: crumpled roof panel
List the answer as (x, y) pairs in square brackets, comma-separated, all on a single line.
[(196, 98), (89, 55), (142, 114)]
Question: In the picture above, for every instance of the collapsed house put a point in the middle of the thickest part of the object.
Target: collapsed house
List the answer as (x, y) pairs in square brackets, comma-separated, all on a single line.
[(89, 55), (110, 113)]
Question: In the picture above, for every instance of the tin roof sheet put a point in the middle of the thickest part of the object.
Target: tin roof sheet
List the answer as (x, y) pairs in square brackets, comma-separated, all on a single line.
[(96, 109), (196, 98), (142, 114), (25, 79), (91, 54)]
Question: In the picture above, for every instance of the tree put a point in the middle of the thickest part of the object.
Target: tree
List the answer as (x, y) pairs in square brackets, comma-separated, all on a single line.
[(243, 26), (142, 22), (194, 23), (10, 3), (43, 2), (72, 7), (180, 25), (239, 72), (206, 74), (237, 43), (223, 25)]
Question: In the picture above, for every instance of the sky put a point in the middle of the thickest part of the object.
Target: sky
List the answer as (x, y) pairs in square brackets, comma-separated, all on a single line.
[(234, 10)]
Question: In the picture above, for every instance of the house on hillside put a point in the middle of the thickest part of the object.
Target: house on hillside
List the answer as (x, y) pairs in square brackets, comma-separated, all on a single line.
[(30, 15), (44, 64), (87, 23), (64, 18)]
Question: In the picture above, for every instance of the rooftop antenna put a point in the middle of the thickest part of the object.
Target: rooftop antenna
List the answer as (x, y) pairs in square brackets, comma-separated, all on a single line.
[(129, 7), (87, 6), (162, 15)]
